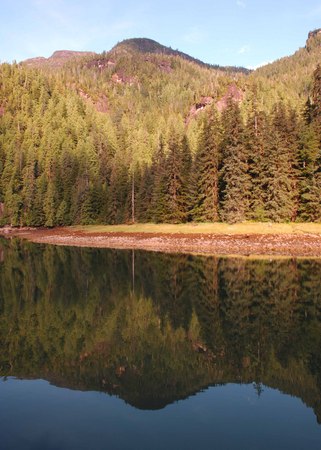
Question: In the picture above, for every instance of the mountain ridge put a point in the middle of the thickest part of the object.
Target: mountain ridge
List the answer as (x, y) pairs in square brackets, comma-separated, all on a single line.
[(149, 46), (140, 45)]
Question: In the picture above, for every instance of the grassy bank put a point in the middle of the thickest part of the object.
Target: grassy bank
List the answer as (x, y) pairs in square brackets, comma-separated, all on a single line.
[(207, 228)]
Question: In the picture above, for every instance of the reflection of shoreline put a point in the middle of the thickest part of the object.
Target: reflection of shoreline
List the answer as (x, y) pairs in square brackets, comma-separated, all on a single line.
[(154, 328), (298, 245)]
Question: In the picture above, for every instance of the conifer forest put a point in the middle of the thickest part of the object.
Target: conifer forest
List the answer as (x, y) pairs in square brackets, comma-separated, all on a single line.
[(146, 134)]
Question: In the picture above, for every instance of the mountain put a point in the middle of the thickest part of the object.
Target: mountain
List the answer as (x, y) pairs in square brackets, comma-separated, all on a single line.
[(144, 45), (127, 46), (58, 59), (147, 133)]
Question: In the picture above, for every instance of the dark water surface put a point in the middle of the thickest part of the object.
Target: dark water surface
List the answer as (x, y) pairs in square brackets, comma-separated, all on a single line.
[(106, 349)]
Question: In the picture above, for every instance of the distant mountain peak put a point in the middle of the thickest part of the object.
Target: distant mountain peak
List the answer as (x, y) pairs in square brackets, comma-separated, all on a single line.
[(143, 45), (146, 45), (57, 59)]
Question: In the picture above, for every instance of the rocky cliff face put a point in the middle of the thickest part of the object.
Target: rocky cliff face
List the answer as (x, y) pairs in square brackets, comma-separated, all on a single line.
[(314, 33), (314, 39)]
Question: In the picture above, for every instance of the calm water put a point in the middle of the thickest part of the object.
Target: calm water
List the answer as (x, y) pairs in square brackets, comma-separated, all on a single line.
[(106, 349)]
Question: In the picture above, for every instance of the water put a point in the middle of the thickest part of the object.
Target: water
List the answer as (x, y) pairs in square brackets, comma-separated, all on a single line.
[(106, 349)]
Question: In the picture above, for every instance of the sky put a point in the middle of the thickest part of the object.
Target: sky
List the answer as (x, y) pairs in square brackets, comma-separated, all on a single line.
[(245, 33)]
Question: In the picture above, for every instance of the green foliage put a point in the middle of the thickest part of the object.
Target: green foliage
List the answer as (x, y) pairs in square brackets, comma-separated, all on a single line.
[(316, 100), (282, 179), (234, 171), (205, 176), (122, 136), (256, 142), (310, 176)]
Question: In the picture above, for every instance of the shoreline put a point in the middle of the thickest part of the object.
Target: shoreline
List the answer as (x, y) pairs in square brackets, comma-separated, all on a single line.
[(223, 244)]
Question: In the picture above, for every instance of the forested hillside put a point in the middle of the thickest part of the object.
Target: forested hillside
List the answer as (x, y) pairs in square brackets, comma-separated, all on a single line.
[(289, 78), (144, 134)]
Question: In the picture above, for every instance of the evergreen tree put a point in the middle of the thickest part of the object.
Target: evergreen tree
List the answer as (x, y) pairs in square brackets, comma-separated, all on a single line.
[(234, 176), (158, 208), (175, 201), (282, 181), (186, 169), (310, 155), (255, 140), (144, 195), (310, 175), (316, 101), (50, 205), (206, 171), (118, 207)]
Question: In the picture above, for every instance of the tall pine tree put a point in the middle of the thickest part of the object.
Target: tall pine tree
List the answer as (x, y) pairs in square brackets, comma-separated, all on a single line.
[(282, 178), (234, 176), (206, 201)]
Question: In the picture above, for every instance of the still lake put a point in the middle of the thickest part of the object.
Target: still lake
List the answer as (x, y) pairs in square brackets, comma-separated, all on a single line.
[(110, 349)]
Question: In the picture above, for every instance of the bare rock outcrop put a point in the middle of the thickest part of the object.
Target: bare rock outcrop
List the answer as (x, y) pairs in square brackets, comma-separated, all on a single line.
[(233, 93)]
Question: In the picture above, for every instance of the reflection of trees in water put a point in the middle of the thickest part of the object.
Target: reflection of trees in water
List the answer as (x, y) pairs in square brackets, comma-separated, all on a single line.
[(70, 315)]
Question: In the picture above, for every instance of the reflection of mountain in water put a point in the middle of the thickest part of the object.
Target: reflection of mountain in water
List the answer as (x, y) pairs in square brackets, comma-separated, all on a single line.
[(155, 328)]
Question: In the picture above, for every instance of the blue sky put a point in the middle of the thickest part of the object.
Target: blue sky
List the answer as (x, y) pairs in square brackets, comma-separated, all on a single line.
[(227, 32)]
